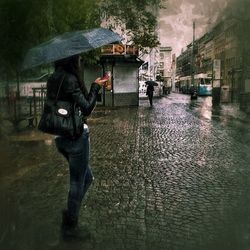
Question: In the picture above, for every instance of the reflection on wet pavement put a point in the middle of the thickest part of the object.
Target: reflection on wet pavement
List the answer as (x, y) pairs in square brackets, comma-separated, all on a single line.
[(174, 176)]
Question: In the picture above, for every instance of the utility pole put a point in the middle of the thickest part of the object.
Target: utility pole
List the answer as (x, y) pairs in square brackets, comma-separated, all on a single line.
[(192, 59), (193, 90)]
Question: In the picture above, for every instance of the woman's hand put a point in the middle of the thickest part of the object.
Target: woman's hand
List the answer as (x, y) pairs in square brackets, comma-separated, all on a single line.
[(100, 81)]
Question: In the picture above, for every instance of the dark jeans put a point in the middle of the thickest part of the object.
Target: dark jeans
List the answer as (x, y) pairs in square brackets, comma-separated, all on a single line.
[(77, 154)]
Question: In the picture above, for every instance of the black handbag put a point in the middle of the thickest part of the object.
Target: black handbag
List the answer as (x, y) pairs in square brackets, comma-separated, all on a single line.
[(61, 118)]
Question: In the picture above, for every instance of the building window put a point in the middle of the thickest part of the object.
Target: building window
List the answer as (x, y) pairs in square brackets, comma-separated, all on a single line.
[(161, 55), (161, 64)]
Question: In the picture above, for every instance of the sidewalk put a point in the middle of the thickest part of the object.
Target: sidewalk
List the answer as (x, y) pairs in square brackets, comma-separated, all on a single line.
[(165, 178)]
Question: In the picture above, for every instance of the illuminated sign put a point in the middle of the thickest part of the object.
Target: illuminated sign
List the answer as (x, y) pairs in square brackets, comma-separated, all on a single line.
[(119, 49)]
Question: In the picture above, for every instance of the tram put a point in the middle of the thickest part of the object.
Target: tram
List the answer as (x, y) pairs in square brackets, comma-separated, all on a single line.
[(202, 82)]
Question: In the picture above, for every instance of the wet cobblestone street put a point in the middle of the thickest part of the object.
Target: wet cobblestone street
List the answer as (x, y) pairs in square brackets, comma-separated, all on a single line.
[(174, 176)]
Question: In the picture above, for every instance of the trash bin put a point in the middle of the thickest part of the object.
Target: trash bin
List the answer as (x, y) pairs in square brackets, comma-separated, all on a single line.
[(225, 93)]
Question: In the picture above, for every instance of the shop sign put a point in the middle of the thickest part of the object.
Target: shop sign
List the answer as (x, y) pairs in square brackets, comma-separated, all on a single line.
[(119, 49)]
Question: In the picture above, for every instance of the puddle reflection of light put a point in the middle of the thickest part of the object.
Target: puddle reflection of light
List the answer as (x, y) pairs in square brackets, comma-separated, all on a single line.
[(206, 113), (206, 108)]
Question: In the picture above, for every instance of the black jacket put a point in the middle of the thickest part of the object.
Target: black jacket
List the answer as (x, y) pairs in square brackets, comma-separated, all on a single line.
[(150, 88), (70, 91)]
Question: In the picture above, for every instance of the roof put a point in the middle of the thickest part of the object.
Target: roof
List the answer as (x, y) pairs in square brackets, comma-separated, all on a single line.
[(121, 58)]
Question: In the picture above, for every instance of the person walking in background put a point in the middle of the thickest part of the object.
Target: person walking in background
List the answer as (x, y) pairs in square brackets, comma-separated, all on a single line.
[(150, 93), (75, 150)]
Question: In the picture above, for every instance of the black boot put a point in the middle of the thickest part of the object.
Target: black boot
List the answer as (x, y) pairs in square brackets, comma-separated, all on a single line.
[(71, 230)]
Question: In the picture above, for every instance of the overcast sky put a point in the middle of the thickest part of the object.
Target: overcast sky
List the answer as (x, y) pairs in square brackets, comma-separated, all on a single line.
[(175, 22)]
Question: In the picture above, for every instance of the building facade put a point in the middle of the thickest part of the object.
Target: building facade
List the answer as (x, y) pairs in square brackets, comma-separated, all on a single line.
[(164, 69), (229, 43)]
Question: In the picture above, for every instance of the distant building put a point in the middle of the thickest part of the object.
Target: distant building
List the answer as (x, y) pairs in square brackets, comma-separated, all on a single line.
[(164, 69), (229, 43), (165, 61), (148, 70)]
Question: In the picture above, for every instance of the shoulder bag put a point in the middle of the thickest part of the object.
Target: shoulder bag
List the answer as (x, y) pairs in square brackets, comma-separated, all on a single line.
[(61, 118)]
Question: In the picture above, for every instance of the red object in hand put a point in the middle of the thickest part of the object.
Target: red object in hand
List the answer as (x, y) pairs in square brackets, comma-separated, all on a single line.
[(106, 76)]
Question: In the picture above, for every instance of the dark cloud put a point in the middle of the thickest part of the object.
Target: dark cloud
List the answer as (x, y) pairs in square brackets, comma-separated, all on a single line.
[(179, 16)]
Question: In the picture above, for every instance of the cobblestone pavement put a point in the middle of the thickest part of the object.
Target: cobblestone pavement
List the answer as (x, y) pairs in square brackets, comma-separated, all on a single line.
[(175, 176)]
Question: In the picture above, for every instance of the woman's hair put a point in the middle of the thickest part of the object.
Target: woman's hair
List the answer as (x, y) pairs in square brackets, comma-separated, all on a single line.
[(71, 65)]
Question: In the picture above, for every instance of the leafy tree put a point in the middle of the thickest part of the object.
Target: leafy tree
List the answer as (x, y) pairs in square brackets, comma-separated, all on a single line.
[(139, 17), (26, 23)]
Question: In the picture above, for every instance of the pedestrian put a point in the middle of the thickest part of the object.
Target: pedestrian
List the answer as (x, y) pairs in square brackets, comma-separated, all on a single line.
[(75, 150), (150, 93)]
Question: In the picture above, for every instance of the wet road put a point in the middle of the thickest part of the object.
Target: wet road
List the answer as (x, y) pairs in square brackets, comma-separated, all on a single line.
[(175, 176)]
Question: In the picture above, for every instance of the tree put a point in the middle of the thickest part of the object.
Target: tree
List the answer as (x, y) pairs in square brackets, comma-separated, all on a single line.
[(139, 17), (26, 23)]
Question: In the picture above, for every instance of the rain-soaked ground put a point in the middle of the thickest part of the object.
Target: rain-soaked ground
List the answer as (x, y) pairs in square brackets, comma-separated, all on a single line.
[(175, 176)]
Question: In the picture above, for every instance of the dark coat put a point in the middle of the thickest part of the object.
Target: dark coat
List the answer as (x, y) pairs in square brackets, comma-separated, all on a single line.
[(70, 91), (150, 89)]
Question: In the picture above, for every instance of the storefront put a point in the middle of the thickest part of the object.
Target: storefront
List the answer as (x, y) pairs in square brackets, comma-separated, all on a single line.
[(123, 63)]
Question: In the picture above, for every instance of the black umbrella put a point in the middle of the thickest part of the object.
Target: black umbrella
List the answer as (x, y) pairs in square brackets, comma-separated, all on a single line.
[(152, 83), (69, 44)]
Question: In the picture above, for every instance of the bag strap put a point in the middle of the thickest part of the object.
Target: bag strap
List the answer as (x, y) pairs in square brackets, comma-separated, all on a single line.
[(59, 88)]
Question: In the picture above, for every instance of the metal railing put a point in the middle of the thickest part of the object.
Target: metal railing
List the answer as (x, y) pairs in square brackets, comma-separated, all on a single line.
[(39, 95), (17, 109)]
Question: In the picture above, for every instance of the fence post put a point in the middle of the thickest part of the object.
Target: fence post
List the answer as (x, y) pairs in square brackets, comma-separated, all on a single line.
[(35, 108)]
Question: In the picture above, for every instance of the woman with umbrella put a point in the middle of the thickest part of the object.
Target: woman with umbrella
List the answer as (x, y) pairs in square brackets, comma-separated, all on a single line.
[(66, 85), (75, 150)]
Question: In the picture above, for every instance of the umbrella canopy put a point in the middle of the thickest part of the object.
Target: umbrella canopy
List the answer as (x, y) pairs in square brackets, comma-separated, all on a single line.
[(69, 44), (152, 83)]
